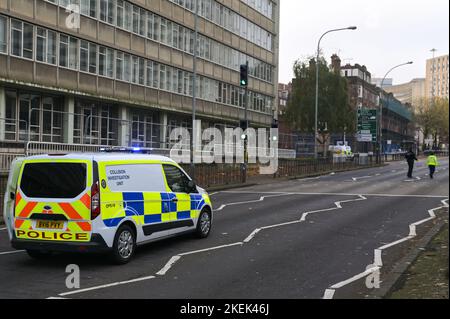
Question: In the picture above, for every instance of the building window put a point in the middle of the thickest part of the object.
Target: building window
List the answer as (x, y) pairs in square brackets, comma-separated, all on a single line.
[(45, 46), (88, 57), (21, 39), (119, 66), (11, 124), (89, 8), (3, 34), (106, 62), (33, 117), (96, 124), (52, 120), (68, 52), (138, 70), (144, 132), (107, 11), (120, 10)]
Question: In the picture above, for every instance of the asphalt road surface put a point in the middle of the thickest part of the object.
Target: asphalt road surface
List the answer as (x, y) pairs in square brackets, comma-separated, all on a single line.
[(291, 239)]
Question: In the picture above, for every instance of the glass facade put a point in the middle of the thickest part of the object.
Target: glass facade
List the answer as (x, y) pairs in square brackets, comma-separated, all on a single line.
[(154, 27), (131, 17), (33, 117), (84, 56), (230, 20), (264, 7)]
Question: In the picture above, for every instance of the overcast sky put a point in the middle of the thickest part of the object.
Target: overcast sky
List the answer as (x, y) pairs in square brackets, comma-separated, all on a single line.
[(389, 32)]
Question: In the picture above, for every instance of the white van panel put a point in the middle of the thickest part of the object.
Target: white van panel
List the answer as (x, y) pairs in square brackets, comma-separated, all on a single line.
[(8, 207)]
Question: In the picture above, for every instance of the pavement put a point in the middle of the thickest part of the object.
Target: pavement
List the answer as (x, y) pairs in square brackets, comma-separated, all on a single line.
[(330, 236)]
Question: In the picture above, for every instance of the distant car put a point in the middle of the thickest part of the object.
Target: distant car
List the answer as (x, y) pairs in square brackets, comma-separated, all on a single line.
[(101, 202)]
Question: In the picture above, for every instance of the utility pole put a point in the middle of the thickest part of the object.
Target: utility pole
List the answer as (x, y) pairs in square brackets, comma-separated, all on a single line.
[(433, 85), (194, 90), (433, 94)]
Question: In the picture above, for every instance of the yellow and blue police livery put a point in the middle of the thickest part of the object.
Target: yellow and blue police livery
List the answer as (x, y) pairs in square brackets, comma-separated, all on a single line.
[(101, 202)]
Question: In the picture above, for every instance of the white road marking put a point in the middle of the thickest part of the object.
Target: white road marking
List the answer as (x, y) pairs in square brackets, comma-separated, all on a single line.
[(303, 218), (261, 199), (362, 177), (12, 252), (344, 194), (212, 194), (209, 249), (337, 204), (329, 293), (378, 262), (3, 228), (175, 258), (253, 234), (105, 286), (169, 265), (309, 179)]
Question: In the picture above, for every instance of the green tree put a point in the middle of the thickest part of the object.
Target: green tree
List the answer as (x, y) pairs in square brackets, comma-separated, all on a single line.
[(432, 115), (334, 107)]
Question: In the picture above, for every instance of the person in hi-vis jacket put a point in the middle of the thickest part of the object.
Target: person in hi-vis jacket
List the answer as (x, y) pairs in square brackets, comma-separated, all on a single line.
[(432, 163)]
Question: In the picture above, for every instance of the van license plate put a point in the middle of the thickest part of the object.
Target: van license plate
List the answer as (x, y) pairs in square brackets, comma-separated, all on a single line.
[(49, 224)]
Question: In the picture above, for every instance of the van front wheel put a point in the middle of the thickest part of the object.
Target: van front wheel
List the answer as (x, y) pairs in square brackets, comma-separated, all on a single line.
[(124, 245), (204, 224)]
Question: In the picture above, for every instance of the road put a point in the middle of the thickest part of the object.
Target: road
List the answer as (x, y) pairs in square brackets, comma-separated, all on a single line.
[(287, 239)]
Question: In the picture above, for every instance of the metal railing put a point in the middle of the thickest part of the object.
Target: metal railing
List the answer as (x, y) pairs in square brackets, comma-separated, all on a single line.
[(36, 148), (6, 160)]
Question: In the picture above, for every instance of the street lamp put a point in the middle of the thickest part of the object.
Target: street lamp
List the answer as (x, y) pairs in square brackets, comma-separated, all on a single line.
[(380, 151), (317, 83), (194, 89)]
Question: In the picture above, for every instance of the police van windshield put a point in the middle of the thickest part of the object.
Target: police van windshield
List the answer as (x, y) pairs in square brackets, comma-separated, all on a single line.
[(53, 180)]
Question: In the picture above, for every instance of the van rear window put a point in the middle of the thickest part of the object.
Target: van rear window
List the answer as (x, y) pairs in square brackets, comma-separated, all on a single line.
[(53, 180)]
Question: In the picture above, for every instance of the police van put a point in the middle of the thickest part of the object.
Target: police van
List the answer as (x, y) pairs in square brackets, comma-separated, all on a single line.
[(101, 202)]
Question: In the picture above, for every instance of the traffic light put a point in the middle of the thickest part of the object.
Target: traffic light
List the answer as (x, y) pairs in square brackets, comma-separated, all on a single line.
[(275, 130), (244, 125), (244, 75)]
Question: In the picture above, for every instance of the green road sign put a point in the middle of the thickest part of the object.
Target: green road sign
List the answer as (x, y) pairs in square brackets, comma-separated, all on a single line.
[(367, 125)]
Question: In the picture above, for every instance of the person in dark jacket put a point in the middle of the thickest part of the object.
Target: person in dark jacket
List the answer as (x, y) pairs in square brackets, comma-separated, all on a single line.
[(410, 158)]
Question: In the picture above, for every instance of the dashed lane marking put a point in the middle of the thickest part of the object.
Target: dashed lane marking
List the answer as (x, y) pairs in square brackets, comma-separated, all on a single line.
[(119, 283), (261, 199), (12, 252)]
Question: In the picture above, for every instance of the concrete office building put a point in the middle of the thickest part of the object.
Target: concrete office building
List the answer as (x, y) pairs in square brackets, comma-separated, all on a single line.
[(125, 76), (437, 77), (412, 92), (386, 84)]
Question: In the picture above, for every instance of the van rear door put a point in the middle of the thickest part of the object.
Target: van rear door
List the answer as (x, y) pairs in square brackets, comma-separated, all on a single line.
[(8, 201), (53, 201)]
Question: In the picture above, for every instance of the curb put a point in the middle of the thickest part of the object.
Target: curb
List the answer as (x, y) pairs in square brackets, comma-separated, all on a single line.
[(394, 268), (392, 280), (227, 187), (334, 171)]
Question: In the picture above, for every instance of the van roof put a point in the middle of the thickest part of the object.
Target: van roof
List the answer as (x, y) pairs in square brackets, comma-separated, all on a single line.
[(101, 157)]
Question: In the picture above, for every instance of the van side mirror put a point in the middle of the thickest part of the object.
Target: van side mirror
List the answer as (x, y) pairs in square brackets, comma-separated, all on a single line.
[(192, 186)]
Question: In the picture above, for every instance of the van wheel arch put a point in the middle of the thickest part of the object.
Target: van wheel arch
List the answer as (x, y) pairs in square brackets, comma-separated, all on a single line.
[(130, 224), (127, 241)]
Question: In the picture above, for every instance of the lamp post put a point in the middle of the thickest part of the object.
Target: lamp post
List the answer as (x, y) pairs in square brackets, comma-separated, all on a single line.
[(317, 84), (194, 90), (380, 141)]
